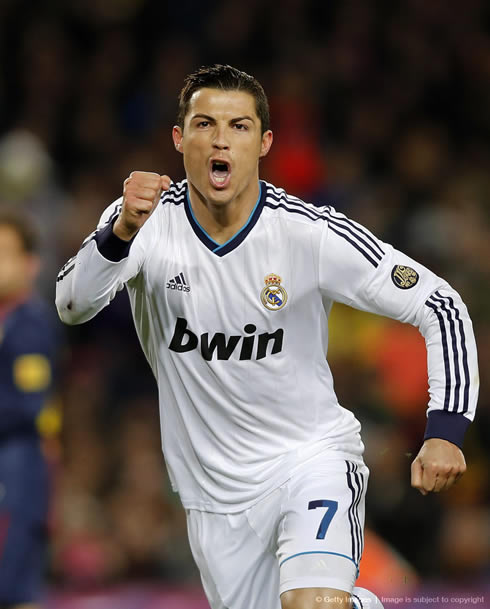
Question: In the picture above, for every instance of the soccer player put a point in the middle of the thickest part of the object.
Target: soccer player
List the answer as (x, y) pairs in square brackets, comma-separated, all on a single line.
[(28, 345), (231, 281)]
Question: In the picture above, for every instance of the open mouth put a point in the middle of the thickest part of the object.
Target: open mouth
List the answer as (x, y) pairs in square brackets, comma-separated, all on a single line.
[(219, 173)]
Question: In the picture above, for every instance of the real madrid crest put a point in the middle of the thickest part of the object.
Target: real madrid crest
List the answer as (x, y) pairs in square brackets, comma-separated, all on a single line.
[(404, 277), (273, 296)]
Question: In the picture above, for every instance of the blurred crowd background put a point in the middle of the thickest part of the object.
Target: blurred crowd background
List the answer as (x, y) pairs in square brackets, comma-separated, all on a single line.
[(379, 108)]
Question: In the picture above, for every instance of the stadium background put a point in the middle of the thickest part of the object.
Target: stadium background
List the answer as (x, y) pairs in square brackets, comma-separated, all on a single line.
[(379, 108)]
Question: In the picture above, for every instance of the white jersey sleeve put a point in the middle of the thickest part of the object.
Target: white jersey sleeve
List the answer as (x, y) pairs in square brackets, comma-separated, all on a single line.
[(89, 281), (359, 270)]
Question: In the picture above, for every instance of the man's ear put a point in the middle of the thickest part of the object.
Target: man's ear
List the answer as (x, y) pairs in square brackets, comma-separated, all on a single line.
[(177, 137), (266, 143)]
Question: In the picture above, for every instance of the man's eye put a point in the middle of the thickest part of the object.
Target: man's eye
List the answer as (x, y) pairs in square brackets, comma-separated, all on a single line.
[(241, 127), (203, 124)]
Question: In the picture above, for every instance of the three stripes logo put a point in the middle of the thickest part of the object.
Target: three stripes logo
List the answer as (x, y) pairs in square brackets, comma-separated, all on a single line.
[(455, 352), (178, 283)]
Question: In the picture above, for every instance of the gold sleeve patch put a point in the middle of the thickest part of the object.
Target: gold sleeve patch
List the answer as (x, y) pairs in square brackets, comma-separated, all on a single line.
[(32, 372), (404, 277)]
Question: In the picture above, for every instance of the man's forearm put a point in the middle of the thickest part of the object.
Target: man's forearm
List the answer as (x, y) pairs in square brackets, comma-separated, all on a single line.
[(89, 281), (452, 366)]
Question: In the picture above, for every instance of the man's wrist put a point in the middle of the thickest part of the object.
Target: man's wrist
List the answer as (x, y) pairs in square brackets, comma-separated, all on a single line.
[(450, 426), (122, 232), (110, 245)]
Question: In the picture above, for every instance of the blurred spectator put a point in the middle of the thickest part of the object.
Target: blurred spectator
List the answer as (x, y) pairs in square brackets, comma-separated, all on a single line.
[(28, 352)]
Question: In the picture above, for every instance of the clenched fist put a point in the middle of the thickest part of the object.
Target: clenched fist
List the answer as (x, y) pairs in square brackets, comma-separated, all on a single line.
[(141, 194), (437, 466)]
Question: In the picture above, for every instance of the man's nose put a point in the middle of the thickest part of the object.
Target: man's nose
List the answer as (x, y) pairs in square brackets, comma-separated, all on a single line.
[(220, 138)]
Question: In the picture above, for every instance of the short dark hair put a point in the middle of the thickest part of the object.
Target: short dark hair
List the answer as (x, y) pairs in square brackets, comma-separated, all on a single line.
[(227, 78), (23, 226)]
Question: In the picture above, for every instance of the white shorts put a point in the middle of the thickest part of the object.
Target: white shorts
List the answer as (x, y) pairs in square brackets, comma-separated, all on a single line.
[(308, 533)]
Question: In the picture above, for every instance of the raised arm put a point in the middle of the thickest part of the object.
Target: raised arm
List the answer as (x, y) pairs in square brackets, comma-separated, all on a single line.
[(113, 253), (361, 271)]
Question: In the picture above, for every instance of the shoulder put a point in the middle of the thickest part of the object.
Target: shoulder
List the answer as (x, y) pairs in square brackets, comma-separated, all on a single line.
[(292, 208), (343, 233), (171, 203), (110, 213), (174, 196)]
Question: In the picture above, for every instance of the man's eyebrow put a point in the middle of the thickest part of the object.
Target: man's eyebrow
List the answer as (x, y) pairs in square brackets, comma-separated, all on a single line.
[(242, 118), (199, 115), (233, 120)]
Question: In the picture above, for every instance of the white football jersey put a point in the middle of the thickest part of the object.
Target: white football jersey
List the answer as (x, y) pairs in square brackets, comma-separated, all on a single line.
[(236, 335)]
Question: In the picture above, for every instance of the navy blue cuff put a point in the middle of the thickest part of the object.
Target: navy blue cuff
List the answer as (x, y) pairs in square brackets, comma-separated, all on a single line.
[(109, 244), (450, 426)]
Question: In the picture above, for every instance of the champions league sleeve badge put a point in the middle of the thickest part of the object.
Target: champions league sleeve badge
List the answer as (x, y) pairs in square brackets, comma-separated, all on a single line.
[(404, 277), (273, 295)]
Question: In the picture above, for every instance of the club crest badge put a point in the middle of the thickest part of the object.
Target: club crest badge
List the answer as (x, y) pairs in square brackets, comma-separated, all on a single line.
[(273, 295), (404, 277)]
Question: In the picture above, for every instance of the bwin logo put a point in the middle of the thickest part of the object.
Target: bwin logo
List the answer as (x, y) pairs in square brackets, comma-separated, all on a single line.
[(185, 340)]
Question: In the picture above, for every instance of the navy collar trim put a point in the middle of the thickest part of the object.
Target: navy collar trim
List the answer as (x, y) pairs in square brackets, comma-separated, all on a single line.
[(238, 237)]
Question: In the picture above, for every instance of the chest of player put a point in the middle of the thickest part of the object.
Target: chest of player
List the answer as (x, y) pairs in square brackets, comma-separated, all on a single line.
[(244, 300)]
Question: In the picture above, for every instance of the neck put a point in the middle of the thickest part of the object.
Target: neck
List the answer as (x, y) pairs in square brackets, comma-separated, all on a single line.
[(222, 220)]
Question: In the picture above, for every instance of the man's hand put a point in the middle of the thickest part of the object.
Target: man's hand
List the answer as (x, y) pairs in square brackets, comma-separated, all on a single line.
[(141, 194), (437, 466)]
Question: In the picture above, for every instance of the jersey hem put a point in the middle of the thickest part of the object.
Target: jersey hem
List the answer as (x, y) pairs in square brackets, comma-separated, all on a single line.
[(235, 508)]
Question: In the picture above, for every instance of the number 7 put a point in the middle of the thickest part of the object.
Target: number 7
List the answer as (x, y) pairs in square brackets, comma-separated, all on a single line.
[(327, 518)]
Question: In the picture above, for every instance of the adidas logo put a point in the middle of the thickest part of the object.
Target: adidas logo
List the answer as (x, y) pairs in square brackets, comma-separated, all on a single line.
[(178, 283)]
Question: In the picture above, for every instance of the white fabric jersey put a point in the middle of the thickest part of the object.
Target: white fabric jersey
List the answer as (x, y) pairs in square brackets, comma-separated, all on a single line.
[(236, 335)]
